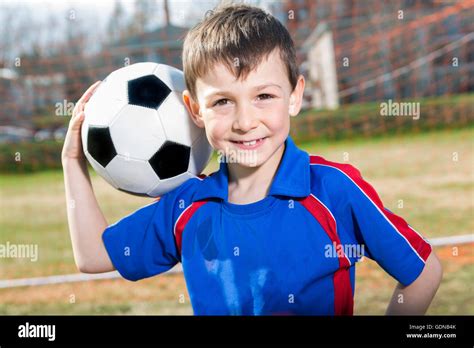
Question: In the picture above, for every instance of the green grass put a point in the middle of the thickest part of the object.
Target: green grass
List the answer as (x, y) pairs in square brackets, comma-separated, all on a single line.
[(437, 195)]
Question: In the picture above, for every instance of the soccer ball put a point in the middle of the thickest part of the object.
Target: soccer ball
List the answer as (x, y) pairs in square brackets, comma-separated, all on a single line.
[(137, 133)]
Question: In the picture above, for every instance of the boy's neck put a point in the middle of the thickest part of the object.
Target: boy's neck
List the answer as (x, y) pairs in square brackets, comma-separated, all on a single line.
[(251, 184)]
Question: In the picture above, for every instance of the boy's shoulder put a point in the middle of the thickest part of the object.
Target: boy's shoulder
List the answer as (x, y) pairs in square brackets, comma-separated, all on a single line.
[(189, 192), (186, 190), (332, 176)]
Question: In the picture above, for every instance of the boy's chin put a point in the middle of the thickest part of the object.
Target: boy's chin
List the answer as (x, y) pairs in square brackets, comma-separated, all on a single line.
[(252, 161), (244, 163), (251, 164)]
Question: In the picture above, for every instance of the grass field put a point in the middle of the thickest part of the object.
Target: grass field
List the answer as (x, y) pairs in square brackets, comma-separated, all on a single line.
[(430, 173)]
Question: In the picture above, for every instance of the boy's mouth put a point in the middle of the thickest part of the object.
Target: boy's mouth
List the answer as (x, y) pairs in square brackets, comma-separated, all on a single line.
[(249, 144)]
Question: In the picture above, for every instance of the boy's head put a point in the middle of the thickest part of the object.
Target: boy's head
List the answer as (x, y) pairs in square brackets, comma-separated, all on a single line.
[(242, 79)]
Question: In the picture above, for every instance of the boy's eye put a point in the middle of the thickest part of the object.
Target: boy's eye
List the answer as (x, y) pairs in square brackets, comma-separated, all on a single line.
[(225, 101), (265, 96), (222, 101)]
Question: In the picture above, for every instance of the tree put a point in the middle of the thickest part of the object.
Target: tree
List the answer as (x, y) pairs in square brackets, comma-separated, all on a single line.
[(117, 26), (16, 32), (145, 12)]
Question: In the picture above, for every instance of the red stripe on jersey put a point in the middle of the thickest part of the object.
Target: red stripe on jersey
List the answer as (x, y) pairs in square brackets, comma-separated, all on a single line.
[(183, 220), (343, 299), (416, 242)]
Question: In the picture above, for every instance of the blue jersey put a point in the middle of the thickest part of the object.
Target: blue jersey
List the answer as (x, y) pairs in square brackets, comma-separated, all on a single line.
[(294, 252)]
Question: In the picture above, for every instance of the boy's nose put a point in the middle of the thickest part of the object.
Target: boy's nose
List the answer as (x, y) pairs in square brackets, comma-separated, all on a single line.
[(245, 119)]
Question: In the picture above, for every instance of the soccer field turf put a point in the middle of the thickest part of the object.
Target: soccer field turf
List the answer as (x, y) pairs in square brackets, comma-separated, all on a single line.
[(426, 178)]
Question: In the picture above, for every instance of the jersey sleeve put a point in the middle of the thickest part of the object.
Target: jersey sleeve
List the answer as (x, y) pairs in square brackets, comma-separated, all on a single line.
[(387, 238), (142, 244)]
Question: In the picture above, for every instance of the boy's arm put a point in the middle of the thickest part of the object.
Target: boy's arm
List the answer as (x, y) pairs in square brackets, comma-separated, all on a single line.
[(387, 239), (415, 298), (86, 220)]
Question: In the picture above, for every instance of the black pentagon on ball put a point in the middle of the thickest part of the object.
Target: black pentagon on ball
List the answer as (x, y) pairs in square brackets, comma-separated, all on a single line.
[(147, 91), (100, 145), (170, 160)]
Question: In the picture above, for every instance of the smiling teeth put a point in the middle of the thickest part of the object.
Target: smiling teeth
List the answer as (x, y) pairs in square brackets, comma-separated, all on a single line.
[(250, 143)]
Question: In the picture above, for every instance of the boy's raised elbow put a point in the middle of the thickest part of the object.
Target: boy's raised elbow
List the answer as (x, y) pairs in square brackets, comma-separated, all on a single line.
[(94, 265), (87, 267), (83, 267)]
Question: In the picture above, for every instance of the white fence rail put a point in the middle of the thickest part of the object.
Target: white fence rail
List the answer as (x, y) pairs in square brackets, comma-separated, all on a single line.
[(81, 277)]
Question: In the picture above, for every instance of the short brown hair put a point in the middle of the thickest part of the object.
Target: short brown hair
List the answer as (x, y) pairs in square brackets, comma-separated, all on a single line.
[(236, 31)]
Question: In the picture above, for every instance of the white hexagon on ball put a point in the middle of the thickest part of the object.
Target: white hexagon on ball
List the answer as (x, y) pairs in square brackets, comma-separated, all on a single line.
[(134, 176), (137, 132), (173, 115)]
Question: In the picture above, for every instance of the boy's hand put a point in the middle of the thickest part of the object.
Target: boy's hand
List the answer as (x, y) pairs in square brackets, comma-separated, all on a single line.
[(72, 148)]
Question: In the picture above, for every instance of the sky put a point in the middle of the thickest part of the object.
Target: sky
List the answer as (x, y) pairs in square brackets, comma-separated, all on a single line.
[(100, 10), (50, 17), (103, 8)]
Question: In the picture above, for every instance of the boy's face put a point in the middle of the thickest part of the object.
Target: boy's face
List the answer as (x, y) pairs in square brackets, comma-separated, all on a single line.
[(255, 109)]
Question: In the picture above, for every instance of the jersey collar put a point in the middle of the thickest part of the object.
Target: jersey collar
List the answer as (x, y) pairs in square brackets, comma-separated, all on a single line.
[(292, 178)]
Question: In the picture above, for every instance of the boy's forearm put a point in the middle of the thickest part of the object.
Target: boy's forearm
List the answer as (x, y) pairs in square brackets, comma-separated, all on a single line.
[(415, 298), (85, 219)]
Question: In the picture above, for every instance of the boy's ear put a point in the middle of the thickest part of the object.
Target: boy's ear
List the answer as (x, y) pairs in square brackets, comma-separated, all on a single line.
[(296, 97), (193, 109)]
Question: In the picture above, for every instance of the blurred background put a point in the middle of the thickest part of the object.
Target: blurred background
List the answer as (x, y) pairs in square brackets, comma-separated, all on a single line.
[(390, 89)]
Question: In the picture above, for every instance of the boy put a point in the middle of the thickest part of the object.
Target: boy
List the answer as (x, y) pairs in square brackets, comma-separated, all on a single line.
[(253, 238)]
